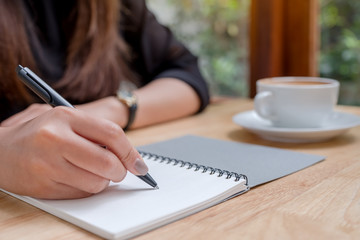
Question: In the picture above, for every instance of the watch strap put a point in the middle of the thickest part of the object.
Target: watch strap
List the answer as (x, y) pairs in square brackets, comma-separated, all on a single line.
[(132, 111), (130, 101)]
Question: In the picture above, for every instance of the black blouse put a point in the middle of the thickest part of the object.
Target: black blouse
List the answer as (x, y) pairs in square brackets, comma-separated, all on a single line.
[(150, 42)]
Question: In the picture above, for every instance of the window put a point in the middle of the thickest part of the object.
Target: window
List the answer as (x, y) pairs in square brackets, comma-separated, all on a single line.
[(217, 32), (288, 38), (340, 47)]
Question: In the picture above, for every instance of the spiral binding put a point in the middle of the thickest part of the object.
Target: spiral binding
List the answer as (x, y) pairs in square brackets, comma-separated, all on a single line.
[(197, 167)]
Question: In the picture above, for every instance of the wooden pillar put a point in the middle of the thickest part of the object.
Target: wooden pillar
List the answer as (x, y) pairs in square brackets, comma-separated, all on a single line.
[(283, 39)]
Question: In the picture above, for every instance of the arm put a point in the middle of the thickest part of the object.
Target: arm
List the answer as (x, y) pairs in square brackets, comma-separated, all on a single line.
[(161, 100)]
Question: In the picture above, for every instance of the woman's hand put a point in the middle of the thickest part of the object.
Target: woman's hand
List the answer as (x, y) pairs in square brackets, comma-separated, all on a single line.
[(59, 155), (29, 113)]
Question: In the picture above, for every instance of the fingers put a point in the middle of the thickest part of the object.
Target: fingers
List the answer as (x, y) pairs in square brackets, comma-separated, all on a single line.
[(94, 158), (109, 134), (62, 191), (78, 178), (58, 178), (137, 167)]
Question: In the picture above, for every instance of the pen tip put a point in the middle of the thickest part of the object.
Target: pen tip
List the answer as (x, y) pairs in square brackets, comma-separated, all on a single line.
[(156, 187)]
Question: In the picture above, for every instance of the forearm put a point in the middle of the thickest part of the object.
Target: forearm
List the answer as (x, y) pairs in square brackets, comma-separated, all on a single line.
[(163, 100)]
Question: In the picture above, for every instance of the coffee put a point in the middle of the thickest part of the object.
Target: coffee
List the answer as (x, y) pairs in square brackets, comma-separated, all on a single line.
[(294, 82)]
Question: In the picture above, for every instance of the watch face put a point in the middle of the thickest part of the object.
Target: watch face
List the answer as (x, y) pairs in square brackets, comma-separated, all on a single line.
[(125, 94), (128, 97)]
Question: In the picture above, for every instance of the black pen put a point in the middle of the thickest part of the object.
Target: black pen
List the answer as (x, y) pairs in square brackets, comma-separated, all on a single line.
[(50, 96)]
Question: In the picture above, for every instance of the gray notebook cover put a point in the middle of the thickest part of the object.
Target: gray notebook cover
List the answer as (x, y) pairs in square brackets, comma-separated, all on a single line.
[(260, 164)]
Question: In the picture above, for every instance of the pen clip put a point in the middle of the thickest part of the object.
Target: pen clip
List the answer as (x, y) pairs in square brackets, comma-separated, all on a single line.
[(33, 84), (44, 91)]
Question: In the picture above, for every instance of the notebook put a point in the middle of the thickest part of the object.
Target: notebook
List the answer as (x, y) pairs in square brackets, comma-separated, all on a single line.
[(193, 173)]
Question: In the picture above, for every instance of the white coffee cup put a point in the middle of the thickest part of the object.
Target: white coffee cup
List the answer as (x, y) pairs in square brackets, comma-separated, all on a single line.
[(296, 102)]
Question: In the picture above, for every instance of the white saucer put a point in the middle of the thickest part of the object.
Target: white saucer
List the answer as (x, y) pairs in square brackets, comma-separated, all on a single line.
[(336, 125)]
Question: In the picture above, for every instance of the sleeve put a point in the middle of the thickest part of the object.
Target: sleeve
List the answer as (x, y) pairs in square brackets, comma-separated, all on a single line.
[(157, 53)]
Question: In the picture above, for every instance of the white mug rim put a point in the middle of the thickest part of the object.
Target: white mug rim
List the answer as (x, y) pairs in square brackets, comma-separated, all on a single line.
[(331, 82)]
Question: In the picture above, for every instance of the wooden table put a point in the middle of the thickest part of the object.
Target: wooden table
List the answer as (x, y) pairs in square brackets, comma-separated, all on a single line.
[(320, 202)]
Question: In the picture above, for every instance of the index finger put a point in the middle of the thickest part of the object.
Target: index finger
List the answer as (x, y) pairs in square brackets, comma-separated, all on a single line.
[(111, 135)]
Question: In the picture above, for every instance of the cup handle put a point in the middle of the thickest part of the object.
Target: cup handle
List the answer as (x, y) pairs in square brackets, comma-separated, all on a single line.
[(263, 103)]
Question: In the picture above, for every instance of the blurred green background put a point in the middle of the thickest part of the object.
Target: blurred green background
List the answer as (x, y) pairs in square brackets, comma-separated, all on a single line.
[(217, 32), (340, 47)]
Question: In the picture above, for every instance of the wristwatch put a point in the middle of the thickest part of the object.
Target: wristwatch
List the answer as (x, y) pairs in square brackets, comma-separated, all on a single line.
[(130, 100)]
